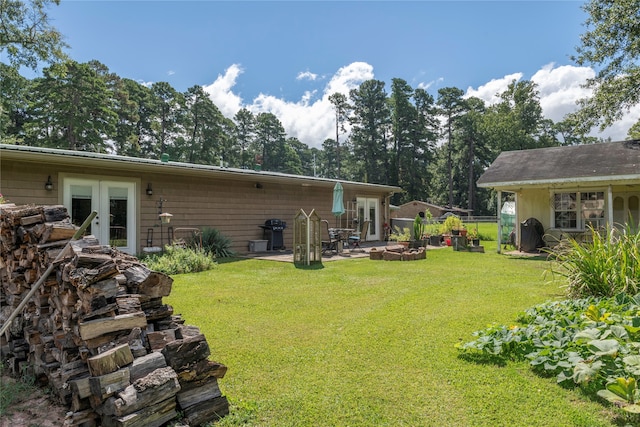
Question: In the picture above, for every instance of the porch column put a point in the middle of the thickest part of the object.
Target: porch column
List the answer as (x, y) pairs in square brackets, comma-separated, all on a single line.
[(499, 221), (609, 208)]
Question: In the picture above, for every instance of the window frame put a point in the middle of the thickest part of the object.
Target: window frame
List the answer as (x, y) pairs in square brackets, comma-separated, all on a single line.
[(581, 199)]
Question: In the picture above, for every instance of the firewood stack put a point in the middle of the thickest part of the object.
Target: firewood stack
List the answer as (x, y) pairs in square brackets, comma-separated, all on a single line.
[(97, 331)]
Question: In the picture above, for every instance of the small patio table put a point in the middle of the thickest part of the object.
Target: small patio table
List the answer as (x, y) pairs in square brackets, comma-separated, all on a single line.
[(342, 234)]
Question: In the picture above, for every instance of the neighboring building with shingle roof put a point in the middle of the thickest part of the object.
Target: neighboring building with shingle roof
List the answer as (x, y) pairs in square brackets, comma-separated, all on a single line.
[(571, 188)]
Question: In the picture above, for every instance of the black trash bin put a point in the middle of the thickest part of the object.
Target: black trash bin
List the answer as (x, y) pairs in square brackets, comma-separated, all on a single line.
[(273, 229)]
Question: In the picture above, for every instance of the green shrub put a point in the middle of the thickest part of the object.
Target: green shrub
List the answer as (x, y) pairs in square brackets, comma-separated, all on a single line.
[(451, 223), (609, 265), (177, 260), (213, 241)]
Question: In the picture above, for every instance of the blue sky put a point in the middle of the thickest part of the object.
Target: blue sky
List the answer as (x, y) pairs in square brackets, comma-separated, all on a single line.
[(288, 57)]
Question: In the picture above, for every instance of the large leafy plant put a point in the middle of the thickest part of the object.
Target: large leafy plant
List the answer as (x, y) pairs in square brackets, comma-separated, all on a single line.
[(418, 228), (607, 265), (593, 343), (213, 241)]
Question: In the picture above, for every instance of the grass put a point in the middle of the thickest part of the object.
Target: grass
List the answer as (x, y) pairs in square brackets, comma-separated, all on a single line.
[(13, 392), (363, 343)]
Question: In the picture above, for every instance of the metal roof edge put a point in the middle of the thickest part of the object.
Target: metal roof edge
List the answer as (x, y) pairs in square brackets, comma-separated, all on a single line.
[(180, 166), (589, 179)]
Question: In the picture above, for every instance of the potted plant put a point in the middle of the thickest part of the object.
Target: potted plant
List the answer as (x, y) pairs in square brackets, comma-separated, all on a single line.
[(433, 230), (452, 225), (473, 237), (418, 232), (400, 235)]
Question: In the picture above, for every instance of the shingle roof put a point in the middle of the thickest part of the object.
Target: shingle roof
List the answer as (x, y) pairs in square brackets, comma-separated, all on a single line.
[(589, 162)]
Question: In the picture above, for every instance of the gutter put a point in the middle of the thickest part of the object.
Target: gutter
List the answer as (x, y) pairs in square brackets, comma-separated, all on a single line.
[(72, 157)]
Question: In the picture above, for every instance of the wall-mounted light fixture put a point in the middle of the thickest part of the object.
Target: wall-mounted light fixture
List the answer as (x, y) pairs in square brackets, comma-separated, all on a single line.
[(49, 184), (149, 190), (258, 185)]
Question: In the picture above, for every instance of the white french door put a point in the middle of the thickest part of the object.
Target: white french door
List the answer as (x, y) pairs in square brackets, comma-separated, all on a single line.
[(115, 203), (368, 211)]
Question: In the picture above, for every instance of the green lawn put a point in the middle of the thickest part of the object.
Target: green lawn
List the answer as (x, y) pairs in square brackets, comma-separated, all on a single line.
[(371, 343)]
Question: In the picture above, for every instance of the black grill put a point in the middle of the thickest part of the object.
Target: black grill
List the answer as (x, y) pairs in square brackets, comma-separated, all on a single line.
[(275, 224), (272, 232)]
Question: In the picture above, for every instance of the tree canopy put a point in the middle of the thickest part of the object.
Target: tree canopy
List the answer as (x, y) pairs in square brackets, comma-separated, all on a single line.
[(433, 148), (26, 36), (611, 45)]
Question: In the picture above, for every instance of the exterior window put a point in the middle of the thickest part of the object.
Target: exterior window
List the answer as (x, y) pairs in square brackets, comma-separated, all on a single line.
[(592, 204), (579, 210), (566, 210)]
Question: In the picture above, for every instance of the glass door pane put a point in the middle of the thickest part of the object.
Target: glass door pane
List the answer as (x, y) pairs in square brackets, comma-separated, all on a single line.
[(373, 217), (81, 204), (118, 209), (368, 211), (118, 214)]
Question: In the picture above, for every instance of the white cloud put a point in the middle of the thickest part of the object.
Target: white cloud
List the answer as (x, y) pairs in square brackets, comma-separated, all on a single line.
[(489, 91), (559, 89), (312, 119), (310, 122), (426, 86), (307, 75), (221, 91)]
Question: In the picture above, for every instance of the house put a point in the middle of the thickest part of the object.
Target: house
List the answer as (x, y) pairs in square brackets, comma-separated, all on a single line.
[(416, 207), (130, 195), (568, 189)]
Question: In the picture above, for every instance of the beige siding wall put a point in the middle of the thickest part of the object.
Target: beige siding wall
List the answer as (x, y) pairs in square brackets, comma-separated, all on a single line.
[(534, 204), (22, 183), (235, 207)]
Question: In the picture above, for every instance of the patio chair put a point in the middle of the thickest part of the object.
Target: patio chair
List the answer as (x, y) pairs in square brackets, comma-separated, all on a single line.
[(332, 243), (359, 236)]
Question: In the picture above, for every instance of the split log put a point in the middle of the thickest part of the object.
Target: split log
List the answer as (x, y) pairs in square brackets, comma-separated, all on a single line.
[(207, 410), (151, 416), (83, 277), (33, 219), (15, 213), (55, 213), (159, 313), (158, 340), (142, 366), (54, 231), (95, 328), (128, 304), (80, 387), (141, 280), (182, 353), (156, 387), (107, 385), (110, 361), (186, 331), (209, 390), (196, 374)]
